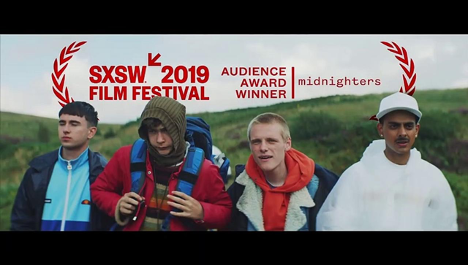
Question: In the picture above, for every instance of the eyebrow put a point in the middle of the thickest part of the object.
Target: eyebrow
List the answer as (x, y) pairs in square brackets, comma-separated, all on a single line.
[(267, 139), (71, 121), (399, 123)]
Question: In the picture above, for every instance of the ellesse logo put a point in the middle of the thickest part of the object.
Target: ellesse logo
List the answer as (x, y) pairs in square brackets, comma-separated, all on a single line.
[(85, 202)]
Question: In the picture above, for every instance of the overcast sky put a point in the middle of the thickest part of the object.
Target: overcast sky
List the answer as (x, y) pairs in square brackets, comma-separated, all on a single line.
[(27, 65)]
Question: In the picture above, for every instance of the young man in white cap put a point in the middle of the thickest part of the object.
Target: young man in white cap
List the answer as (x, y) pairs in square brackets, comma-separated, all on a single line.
[(391, 188)]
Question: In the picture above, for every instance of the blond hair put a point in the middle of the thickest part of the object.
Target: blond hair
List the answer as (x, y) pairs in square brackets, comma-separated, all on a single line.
[(269, 118)]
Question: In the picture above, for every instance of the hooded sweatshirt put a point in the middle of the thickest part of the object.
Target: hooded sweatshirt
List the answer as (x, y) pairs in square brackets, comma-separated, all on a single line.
[(376, 194), (276, 200), (172, 115)]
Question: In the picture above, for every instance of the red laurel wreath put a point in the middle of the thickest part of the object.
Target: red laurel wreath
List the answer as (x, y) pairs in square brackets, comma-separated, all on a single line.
[(410, 79), (59, 68)]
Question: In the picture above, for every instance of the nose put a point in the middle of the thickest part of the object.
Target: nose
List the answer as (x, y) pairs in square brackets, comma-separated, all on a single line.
[(66, 128), (263, 147), (402, 131), (160, 137)]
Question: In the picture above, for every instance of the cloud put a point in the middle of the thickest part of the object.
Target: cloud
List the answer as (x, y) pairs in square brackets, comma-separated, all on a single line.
[(27, 64), (423, 52), (36, 101), (464, 69)]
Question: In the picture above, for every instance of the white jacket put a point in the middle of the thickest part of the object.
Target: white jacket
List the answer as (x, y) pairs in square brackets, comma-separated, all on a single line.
[(376, 194)]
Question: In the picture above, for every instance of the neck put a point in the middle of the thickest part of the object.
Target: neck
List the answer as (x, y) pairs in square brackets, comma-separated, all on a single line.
[(70, 154), (399, 159), (277, 176)]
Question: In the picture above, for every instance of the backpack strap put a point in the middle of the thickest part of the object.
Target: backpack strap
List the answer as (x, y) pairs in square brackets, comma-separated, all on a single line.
[(137, 169), (187, 178), (138, 164), (190, 170)]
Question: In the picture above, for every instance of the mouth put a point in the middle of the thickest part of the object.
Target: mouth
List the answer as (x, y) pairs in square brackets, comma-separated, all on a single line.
[(402, 142), (162, 148), (264, 158), (66, 138)]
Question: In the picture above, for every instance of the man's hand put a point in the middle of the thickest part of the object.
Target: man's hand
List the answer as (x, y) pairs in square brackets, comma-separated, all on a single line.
[(129, 203), (189, 207)]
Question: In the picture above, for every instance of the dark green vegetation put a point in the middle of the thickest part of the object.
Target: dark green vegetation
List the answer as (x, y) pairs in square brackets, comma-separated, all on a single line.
[(333, 130)]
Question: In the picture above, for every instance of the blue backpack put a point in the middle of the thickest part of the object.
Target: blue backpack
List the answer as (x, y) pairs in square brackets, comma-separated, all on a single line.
[(199, 136), (201, 144), (186, 180)]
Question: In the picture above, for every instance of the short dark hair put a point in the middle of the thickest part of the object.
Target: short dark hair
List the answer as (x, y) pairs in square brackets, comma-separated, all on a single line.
[(81, 108), (151, 123)]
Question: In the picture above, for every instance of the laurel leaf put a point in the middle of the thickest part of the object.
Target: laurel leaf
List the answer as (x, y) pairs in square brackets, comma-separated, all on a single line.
[(65, 55)]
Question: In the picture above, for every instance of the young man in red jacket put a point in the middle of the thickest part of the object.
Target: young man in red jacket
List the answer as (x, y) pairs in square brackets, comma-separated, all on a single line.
[(159, 206)]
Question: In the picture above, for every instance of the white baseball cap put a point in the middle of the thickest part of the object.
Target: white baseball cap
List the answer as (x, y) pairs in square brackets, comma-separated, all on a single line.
[(398, 101)]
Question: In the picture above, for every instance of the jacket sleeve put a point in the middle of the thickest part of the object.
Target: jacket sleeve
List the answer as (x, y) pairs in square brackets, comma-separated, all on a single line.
[(22, 214), (236, 221), (442, 207), (214, 198), (340, 208), (108, 187)]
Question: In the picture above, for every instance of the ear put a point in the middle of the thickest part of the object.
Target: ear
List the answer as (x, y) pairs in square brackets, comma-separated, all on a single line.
[(417, 129), (91, 132), (288, 144), (380, 128)]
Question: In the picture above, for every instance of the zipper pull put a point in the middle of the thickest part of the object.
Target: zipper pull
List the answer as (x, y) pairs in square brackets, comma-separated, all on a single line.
[(141, 204), (69, 166)]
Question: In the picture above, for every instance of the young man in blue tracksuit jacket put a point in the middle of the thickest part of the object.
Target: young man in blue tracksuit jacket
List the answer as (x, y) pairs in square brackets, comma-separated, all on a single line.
[(54, 194)]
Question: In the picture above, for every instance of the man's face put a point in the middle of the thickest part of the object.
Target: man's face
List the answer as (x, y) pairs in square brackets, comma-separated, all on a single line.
[(74, 133), (268, 146), (399, 129), (160, 139)]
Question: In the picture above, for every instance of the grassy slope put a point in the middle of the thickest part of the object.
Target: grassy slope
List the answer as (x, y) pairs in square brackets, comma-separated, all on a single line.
[(229, 134)]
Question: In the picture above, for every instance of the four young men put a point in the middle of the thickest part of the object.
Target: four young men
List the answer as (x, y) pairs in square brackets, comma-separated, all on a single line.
[(281, 189)]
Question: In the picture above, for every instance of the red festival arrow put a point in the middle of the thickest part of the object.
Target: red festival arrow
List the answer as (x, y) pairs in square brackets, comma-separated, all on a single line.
[(152, 60)]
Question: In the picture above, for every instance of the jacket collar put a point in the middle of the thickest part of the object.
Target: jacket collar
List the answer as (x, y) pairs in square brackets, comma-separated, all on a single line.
[(250, 203), (96, 162)]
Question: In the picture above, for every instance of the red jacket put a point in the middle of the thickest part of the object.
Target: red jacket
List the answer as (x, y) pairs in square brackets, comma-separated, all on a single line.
[(209, 190)]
